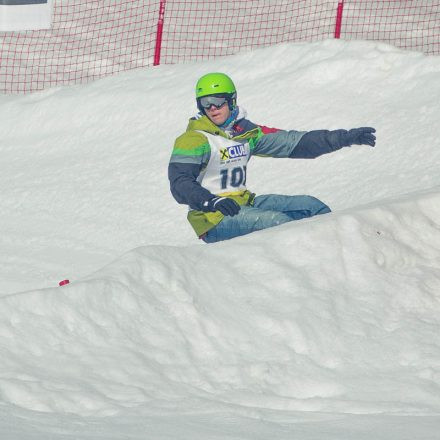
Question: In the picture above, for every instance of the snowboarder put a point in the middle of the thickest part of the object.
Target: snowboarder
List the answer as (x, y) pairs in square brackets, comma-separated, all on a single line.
[(208, 165)]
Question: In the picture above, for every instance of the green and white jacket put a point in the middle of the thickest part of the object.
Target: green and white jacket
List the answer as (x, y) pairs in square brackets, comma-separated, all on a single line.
[(207, 161)]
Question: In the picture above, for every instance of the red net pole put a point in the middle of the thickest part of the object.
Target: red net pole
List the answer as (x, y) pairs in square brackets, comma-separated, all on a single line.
[(159, 33), (338, 24)]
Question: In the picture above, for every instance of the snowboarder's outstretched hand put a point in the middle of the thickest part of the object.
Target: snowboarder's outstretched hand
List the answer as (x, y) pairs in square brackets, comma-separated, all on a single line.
[(362, 136), (223, 204)]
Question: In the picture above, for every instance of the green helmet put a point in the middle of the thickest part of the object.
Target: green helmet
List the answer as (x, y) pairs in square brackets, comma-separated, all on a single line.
[(216, 84), (213, 84)]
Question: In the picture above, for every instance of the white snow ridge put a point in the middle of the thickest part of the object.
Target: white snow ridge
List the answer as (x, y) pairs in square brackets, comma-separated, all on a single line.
[(325, 328)]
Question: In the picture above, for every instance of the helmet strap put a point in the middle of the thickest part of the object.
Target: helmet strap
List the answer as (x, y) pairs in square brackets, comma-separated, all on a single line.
[(231, 120)]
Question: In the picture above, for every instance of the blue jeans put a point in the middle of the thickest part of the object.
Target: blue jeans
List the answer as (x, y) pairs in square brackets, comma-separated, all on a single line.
[(267, 211)]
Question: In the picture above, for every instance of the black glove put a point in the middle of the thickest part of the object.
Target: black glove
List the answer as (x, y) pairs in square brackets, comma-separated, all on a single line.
[(362, 135), (223, 204)]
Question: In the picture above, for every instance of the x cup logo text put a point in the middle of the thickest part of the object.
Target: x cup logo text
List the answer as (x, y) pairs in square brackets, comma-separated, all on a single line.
[(232, 152)]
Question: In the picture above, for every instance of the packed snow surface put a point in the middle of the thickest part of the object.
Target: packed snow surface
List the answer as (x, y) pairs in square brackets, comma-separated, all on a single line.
[(325, 328)]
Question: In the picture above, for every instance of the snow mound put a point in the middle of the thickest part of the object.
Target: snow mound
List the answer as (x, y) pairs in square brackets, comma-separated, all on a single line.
[(317, 315)]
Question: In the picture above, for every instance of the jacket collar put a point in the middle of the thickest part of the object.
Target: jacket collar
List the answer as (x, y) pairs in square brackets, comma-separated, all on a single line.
[(203, 123)]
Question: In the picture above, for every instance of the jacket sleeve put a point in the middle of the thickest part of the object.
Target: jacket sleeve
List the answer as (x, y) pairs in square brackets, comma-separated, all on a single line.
[(189, 157), (276, 143), (318, 142), (299, 144)]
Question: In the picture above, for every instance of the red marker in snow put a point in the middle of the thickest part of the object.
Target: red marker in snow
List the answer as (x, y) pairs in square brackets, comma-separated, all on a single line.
[(64, 282)]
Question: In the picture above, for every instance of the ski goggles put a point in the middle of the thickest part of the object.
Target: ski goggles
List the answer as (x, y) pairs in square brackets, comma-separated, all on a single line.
[(217, 101)]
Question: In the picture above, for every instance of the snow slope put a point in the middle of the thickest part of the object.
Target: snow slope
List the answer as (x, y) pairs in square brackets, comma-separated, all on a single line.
[(325, 328)]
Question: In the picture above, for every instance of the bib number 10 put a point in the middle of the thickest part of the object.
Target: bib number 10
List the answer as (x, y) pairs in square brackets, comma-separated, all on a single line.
[(235, 177)]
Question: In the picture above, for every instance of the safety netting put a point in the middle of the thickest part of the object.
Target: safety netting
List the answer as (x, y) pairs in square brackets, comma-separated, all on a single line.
[(90, 39)]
